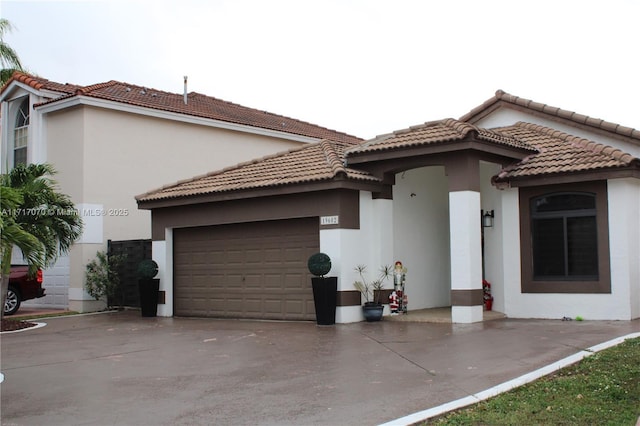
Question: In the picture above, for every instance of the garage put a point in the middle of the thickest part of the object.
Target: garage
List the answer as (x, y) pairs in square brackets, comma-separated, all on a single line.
[(245, 270)]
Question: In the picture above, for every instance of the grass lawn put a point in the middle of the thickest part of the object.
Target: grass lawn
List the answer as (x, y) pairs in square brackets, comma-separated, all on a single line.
[(602, 389)]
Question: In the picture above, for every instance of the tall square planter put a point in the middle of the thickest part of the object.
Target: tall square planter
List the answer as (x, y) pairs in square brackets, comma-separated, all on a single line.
[(325, 294), (149, 289)]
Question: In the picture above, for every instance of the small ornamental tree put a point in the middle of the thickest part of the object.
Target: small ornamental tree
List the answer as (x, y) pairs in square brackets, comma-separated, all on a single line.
[(319, 264), (102, 279), (147, 269)]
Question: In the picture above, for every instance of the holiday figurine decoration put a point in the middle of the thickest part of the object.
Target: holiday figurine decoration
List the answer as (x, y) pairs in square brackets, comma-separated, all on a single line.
[(398, 298), (394, 304), (486, 295)]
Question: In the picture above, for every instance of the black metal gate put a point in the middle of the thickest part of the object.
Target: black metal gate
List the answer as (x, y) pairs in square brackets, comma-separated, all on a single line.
[(134, 251)]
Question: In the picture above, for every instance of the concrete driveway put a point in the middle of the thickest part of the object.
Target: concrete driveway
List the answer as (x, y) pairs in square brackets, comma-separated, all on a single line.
[(122, 369)]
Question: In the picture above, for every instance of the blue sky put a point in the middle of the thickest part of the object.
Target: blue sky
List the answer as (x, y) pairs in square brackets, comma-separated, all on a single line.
[(365, 67)]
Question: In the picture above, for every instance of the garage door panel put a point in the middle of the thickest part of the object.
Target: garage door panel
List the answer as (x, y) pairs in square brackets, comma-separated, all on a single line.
[(291, 282), (252, 281), (229, 281), (234, 257), (272, 281), (293, 306), (256, 270)]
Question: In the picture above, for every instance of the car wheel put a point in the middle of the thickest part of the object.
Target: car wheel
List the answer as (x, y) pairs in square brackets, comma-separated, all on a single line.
[(12, 303)]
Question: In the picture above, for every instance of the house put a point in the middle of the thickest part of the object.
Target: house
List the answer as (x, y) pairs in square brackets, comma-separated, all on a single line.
[(113, 140), (560, 192)]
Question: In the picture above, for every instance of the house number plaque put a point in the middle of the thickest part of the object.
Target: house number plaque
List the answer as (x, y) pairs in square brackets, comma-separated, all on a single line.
[(328, 220)]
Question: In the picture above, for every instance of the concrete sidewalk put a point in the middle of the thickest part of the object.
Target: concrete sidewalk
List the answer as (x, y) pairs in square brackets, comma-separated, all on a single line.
[(122, 369)]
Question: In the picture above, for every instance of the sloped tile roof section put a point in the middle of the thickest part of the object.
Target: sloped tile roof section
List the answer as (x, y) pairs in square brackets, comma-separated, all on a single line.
[(39, 83), (316, 162), (502, 98), (436, 132), (197, 105), (560, 153)]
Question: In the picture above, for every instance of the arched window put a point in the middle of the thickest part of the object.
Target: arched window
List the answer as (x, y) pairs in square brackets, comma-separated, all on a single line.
[(21, 133), (564, 236)]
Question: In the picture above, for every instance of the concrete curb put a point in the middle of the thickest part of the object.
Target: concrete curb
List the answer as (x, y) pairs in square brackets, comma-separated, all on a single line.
[(36, 326), (424, 415)]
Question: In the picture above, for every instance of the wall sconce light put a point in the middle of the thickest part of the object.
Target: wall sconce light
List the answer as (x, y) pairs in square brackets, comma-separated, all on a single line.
[(487, 218)]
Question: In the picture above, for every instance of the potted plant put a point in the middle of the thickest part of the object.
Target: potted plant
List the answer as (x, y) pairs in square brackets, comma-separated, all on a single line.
[(325, 289), (148, 287), (486, 295), (371, 291)]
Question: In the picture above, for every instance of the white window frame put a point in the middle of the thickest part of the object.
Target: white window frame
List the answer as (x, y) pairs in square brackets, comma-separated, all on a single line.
[(21, 132)]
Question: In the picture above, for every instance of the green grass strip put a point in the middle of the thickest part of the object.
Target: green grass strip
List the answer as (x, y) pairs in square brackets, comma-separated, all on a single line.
[(602, 389)]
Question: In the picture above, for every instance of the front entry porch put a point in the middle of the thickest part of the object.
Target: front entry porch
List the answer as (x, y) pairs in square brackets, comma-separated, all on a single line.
[(438, 315)]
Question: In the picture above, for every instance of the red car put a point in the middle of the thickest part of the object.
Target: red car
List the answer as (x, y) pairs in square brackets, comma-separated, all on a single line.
[(22, 287)]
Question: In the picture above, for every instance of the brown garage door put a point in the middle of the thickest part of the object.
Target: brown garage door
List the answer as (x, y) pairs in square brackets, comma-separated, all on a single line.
[(249, 270)]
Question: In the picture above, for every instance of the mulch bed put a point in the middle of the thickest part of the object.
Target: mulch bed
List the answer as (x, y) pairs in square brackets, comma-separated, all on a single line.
[(13, 325)]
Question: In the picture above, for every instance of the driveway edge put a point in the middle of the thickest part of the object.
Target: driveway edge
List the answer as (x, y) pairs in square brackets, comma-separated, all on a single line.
[(507, 386)]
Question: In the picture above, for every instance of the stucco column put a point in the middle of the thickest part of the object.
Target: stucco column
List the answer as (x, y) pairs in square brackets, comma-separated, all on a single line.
[(163, 256), (466, 257)]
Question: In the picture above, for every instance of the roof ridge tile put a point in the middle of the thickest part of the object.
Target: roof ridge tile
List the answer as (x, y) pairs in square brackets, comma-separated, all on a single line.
[(597, 123), (580, 142), (332, 157)]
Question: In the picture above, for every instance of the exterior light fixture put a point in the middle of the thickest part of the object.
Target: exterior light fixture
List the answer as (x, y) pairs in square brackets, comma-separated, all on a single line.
[(487, 219)]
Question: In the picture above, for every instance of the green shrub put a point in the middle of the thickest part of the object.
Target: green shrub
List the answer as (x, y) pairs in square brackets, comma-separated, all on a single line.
[(147, 269), (319, 264), (102, 279)]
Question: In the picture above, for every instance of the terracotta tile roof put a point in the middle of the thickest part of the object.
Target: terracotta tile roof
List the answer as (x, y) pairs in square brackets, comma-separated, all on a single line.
[(316, 162), (552, 152), (560, 153), (435, 132), (198, 105), (502, 98), (40, 83)]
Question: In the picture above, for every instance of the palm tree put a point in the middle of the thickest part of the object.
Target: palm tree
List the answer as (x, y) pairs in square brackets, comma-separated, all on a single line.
[(11, 234), (9, 59), (40, 221)]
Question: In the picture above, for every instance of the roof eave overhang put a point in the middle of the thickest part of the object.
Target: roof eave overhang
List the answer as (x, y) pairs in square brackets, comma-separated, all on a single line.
[(81, 100), (563, 178), (385, 164), (336, 183), (506, 152), (19, 87)]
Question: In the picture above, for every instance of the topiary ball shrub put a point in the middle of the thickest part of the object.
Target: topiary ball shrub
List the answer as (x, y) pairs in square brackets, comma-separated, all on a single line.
[(319, 264), (147, 269)]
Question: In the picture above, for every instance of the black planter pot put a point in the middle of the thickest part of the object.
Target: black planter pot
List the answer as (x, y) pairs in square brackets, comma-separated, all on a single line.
[(149, 296), (325, 293), (372, 311)]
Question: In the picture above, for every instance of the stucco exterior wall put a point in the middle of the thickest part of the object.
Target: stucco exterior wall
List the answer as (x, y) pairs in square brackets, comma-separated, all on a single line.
[(371, 245), (623, 303), (508, 221), (163, 256), (624, 241), (136, 154), (421, 235), (493, 237)]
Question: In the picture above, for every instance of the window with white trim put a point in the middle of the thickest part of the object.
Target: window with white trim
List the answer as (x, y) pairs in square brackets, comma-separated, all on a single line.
[(21, 133)]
